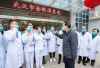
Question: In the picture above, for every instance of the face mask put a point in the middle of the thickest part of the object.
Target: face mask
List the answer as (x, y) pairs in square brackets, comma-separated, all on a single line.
[(29, 29), (83, 31), (17, 27), (44, 30), (1, 28), (39, 30), (52, 28), (94, 34), (60, 32)]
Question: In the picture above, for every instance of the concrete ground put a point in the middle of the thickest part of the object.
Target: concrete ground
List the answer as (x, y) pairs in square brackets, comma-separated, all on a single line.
[(55, 65), (62, 66)]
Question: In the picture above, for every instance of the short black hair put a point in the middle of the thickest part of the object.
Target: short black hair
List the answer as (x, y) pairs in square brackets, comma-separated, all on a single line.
[(9, 22), (96, 29), (68, 24)]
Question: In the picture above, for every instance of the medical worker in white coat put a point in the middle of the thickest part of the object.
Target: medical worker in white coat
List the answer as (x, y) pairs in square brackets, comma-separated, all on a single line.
[(79, 45), (39, 44), (14, 55), (52, 41), (83, 51), (45, 48), (2, 50), (28, 43), (60, 47), (95, 43)]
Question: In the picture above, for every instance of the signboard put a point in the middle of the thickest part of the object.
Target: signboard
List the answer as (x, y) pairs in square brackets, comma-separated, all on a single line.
[(17, 7), (36, 8)]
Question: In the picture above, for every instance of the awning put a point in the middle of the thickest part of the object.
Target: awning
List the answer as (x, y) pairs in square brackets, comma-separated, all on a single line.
[(29, 18)]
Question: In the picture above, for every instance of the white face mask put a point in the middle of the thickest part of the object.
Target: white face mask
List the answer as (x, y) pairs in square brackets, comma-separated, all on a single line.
[(83, 29), (44, 30), (52, 28), (62, 28), (60, 32), (39, 29)]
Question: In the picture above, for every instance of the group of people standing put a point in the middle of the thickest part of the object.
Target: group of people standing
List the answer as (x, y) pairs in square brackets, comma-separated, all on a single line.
[(28, 45), (88, 46), (31, 44), (82, 46)]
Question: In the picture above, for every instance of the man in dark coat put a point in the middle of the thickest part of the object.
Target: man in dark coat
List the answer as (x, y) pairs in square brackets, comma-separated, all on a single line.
[(70, 45)]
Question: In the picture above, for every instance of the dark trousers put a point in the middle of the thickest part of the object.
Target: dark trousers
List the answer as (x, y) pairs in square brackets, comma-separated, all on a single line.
[(88, 60), (80, 59), (52, 55), (83, 59), (59, 58), (92, 62), (69, 63), (21, 67), (43, 60)]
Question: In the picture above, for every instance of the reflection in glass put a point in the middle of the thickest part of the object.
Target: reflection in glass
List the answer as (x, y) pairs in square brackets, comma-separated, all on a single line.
[(44, 2), (28, 1)]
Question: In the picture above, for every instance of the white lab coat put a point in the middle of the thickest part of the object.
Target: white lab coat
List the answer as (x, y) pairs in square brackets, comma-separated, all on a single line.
[(60, 45), (39, 44), (94, 45), (28, 44), (52, 41), (2, 52), (79, 42), (45, 48), (14, 56), (84, 43)]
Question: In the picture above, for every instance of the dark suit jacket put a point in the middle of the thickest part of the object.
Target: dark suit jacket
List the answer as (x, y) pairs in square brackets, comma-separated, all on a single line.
[(70, 44)]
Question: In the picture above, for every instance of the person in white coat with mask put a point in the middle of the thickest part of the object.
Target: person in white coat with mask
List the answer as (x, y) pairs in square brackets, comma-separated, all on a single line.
[(45, 48), (39, 44), (28, 43), (2, 48), (83, 48), (94, 44), (60, 47), (52, 41), (14, 55), (79, 45)]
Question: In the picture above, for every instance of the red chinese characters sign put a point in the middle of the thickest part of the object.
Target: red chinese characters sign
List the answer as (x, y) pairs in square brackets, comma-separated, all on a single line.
[(36, 8)]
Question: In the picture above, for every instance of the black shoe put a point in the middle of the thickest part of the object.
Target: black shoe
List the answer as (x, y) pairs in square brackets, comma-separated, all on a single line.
[(84, 64), (92, 64), (21, 67), (59, 62), (88, 60), (79, 62)]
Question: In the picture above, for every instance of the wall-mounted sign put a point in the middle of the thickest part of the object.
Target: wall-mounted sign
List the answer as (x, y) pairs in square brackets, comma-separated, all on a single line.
[(36, 8), (20, 8)]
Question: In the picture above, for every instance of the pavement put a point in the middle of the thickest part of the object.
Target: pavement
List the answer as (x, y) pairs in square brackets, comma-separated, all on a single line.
[(62, 66), (55, 65)]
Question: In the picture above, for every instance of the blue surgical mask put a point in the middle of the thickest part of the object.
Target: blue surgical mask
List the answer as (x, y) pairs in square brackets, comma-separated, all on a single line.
[(83, 31), (29, 29), (94, 34), (1, 28), (17, 27)]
